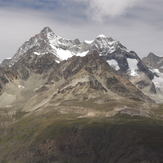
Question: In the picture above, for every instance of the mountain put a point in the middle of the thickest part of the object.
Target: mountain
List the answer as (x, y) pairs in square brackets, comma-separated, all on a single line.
[(66, 101), (34, 78), (77, 110), (124, 62), (155, 64), (154, 61)]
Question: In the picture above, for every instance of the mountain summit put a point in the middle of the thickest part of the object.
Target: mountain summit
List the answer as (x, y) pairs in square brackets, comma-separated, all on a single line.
[(49, 62), (122, 60)]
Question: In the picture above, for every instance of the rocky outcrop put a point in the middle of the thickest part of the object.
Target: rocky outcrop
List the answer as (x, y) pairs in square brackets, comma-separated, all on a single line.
[(155, 64), (6, 75), (153, 61)]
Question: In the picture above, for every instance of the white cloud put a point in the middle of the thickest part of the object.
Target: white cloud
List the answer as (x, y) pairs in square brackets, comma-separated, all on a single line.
[(103, 9)]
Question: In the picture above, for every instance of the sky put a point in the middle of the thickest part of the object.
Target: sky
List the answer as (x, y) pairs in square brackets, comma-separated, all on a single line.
[(137, 24)]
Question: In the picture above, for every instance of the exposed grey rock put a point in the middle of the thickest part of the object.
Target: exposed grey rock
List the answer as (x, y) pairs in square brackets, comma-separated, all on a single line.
[(153, 61), (47, 45)]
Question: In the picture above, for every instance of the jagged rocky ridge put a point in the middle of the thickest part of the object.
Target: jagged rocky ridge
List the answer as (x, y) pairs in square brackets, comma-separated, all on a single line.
[(34, 78), (37, 74), (125, 62), (153, 61), (155, 64)]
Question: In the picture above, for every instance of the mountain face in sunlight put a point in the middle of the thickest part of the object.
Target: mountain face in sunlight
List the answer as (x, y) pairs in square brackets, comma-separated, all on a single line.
[(69, 101), (122, 60)]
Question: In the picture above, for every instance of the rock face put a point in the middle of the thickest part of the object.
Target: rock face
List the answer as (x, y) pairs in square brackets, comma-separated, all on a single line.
[(125, 62), (64, 65), (35, 77), (153, 61), (44, 42), (155, 64)]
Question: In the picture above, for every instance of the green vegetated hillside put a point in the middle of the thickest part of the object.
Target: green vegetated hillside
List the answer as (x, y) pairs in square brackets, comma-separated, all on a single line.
[(75, 136)]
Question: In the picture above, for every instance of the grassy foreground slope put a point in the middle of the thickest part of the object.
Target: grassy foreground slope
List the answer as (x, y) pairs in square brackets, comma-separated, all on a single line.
[(57, 137)]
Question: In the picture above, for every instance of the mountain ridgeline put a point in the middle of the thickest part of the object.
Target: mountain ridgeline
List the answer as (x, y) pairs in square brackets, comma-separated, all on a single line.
[(69, 101), (125, 62)]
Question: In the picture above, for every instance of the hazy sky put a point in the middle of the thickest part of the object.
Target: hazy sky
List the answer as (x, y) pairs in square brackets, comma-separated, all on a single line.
[(137, 24)]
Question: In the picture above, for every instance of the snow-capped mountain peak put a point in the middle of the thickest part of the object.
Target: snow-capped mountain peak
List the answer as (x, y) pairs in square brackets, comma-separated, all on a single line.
[(101, 36), (41, 40), (46, 42), (48, 34), (46, 31), (108, 48), (112, 51)]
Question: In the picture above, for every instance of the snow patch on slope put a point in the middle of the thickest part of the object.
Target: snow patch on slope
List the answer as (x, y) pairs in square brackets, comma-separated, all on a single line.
[(111, 43), (82, 54), (132, 66), (113, 63), (64, 54), (36, 53), (88, 42), (21, 87), (101, 35), (158, 81)]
